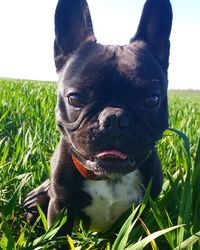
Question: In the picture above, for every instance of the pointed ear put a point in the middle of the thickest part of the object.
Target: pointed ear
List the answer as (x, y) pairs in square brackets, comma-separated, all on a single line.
[(73, 26), (155, 27)]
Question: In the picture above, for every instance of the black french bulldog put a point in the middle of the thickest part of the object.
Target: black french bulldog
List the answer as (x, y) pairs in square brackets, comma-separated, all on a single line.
[(111, 110)]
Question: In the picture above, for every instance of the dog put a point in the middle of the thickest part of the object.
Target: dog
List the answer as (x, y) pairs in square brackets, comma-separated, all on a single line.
[(111, 110)]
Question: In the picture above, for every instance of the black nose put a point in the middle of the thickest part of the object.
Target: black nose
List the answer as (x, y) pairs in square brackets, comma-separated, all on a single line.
[(114, 119)]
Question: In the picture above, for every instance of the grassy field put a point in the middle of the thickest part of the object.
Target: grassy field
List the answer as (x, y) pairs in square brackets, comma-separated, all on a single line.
[(28, 137)]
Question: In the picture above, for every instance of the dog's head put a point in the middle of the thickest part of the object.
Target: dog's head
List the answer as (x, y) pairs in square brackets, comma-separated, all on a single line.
[(112, 100)]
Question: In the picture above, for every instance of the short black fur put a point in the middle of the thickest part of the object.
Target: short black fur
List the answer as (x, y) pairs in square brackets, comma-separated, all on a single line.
[(112, 103)]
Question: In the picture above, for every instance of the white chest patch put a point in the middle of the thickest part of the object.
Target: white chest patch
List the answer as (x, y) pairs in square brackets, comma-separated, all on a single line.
[(110, 199)]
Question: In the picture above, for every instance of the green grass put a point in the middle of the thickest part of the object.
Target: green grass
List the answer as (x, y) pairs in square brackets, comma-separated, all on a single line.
[(28, 137)]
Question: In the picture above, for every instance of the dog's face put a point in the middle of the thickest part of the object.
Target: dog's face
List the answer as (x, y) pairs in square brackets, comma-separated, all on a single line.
[(112, 100)]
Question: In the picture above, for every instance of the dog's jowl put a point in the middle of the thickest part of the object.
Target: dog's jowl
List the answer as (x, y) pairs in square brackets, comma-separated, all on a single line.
[(111, 110)]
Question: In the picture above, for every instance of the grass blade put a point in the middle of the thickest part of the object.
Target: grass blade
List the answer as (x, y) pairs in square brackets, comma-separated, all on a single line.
[(189, 242), (123, 235), (143, 243)]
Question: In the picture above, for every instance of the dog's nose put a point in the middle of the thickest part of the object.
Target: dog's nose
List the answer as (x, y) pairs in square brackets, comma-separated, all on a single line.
[(114, 119)]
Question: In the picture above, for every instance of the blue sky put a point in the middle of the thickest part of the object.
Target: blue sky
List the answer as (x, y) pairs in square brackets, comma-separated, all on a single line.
[(26, 44)]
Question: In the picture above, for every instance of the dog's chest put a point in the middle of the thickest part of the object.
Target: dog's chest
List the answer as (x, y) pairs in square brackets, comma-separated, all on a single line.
[(110, 199)]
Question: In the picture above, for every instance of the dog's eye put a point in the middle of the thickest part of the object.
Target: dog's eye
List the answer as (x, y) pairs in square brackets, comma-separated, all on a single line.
[(152, 101), (76, 100)]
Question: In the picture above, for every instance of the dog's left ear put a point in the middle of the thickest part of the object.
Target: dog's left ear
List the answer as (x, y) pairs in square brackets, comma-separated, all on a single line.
[(155, 27), (73, 26)]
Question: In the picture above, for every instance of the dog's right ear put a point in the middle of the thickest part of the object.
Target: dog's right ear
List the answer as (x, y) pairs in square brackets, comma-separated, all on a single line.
[(73, 26)]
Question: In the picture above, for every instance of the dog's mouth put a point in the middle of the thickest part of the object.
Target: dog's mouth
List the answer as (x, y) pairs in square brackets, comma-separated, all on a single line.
[(106, 164), (112, 155), (113, 163)]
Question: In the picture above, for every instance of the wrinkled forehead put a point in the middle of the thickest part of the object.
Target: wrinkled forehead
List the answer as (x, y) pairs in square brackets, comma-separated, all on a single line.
[(94, 62)]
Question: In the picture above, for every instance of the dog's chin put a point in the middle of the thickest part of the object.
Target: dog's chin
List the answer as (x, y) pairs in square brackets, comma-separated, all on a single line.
[(110, 168)]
